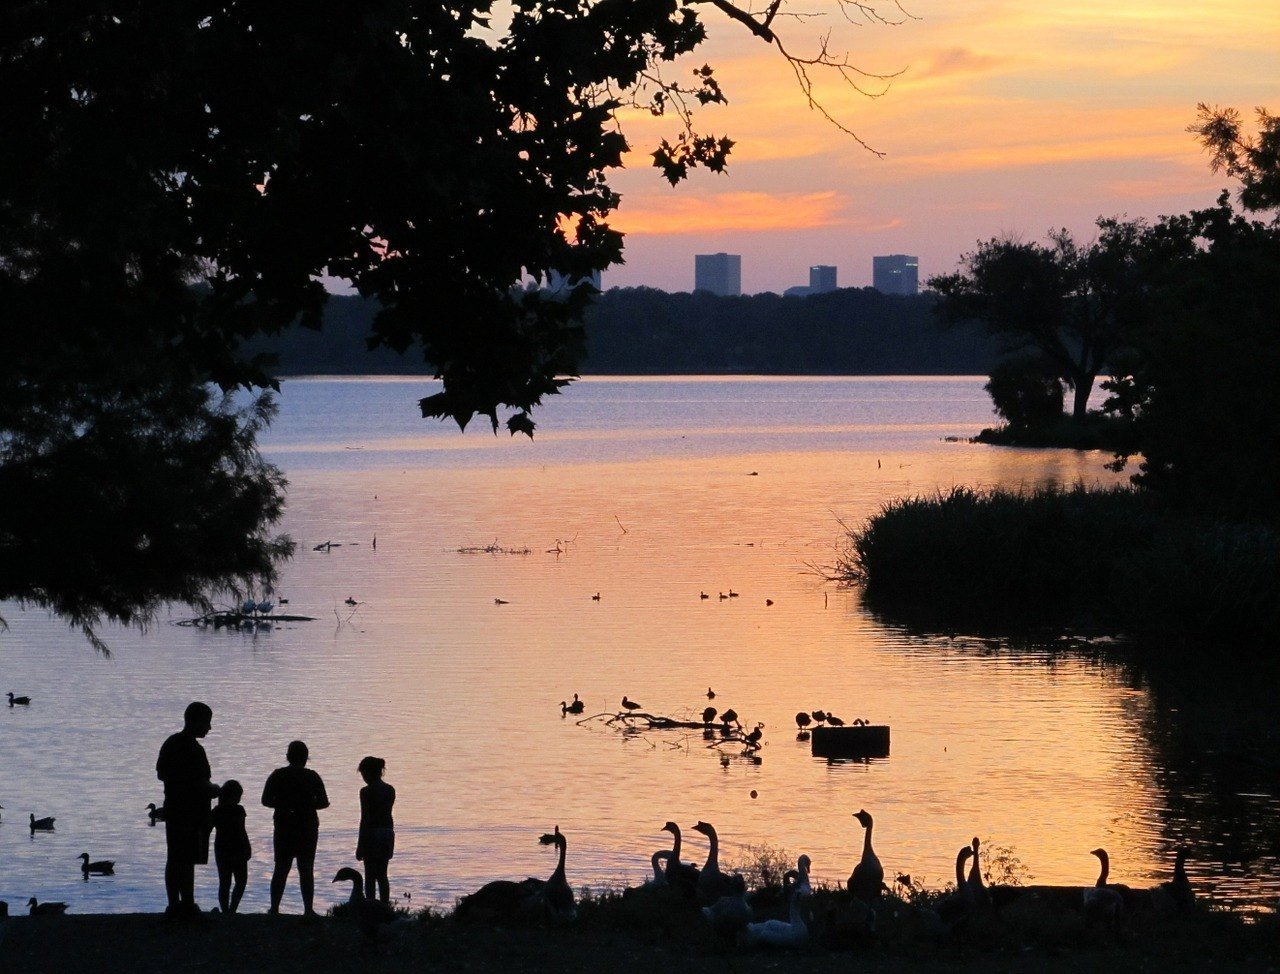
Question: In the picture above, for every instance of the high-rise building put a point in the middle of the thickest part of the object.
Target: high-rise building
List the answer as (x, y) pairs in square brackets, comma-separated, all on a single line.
[(895, 274), (718, 273), (822, 277)]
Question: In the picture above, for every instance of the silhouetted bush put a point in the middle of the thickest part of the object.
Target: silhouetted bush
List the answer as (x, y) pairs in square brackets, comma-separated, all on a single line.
[(1100, 559)]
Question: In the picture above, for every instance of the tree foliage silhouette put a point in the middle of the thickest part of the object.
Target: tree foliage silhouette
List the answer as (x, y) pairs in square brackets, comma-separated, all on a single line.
[(177, 176)]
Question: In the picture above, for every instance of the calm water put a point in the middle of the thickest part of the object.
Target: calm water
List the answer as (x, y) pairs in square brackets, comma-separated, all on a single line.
[(655, 490)]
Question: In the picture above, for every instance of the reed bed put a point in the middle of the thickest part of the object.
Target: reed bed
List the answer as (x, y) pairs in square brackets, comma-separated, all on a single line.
[(1090, 559)]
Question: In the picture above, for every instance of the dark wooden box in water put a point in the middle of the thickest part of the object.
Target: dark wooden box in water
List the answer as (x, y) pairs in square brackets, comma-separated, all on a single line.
[(871, 741)]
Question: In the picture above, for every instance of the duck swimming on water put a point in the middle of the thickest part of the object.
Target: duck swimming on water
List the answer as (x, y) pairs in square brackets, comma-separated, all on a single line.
[(41, 824), (103, 867)]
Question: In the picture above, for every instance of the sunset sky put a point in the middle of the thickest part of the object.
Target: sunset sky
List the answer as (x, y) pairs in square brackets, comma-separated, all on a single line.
[(1009, 117)]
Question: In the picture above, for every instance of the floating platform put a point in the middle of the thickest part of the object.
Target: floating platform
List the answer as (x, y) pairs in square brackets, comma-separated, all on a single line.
[(867, 741)]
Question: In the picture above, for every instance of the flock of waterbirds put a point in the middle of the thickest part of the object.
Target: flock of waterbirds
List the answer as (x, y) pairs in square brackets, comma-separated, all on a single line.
[(783, 916)]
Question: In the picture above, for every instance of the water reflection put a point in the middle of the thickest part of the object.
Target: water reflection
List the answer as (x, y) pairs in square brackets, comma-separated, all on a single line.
[(1049, 752)]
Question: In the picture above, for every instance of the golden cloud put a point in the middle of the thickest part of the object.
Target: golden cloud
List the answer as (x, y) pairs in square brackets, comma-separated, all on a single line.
[(720, 212)]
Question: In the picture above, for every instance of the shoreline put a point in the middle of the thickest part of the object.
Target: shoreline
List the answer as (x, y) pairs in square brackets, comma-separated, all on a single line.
[(149, 942)]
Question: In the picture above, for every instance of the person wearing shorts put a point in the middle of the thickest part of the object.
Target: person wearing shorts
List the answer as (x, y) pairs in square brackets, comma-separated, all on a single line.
[(377, 840), (296, 793), (188, 789)]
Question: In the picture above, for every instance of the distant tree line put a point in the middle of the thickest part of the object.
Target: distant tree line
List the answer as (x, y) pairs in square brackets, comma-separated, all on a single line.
[(644, 331)]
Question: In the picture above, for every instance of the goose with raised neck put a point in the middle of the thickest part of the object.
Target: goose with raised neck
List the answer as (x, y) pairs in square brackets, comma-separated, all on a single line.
[(867, 878)]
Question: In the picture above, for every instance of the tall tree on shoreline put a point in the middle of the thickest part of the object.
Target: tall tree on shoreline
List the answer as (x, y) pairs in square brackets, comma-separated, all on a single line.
[(177, 176)]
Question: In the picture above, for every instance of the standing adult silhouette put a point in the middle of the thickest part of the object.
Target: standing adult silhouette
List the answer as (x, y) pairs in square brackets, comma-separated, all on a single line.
[(188, 790), (296, 793)]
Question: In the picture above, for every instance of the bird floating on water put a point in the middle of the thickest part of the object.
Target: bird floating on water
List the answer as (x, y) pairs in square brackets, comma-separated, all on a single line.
[(501, 602), (350, 600), (596, 597), (18, 701), (38, 909), (711, 694), (154, 813), (41, 824), (103, 867)]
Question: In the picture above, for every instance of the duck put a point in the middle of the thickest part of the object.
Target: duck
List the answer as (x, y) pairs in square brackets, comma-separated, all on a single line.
[(1102, 899), (834, 721), (732, 594), (556, 894), (791, 932), (803, 720), (981, 895), (819, 716), (681, 875), (350, 600), (867, 878), (712, 883), (103, 867), (572, 708), (703, 595), (708, 715), (154, 813), (629, 705), (596, 597), (369, 914), (38, 909), (41, 824), (501, 602), (711, 694), (18, 701), (1176, 895), (730, 716), (753, 739)]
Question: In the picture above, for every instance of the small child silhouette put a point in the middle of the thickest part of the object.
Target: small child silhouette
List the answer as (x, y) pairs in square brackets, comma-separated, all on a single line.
[(377, 840), (231, 850)]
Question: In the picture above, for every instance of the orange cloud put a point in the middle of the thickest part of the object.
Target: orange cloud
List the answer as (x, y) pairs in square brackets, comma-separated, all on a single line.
[(954, 61), (746, 211)]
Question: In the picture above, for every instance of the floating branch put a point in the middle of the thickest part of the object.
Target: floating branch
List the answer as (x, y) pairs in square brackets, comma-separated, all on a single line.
[(238, 620), (492, 549)]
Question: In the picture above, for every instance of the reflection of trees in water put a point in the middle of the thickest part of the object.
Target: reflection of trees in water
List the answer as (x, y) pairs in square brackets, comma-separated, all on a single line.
[(1214, 739), (1213, 730)]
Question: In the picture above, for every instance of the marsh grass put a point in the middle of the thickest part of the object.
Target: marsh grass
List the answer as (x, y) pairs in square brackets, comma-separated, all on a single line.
[(1096, 560)]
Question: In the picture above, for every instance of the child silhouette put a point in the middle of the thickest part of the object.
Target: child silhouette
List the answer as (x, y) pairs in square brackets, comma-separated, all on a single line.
[(377, 841), (231, 850)]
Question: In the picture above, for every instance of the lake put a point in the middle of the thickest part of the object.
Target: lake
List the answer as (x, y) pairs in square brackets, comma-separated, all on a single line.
[(647, 492)]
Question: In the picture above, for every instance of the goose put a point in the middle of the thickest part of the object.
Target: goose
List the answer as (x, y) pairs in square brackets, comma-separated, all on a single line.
[(953, 910), (41, 824), (38, 909), (867, 877), (368, 913), (803, 720), (780, 933), (712, 883), (683, 876), (629, 705), (975, 885), (800, 876), (1103, 899), (731, 912), (154, 813), (1176, 895), (103, 867), (18, 701), (556, 893), (658, 861), (708, 715)]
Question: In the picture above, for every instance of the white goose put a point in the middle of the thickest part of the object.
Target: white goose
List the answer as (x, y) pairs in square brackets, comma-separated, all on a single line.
[(791, 932)]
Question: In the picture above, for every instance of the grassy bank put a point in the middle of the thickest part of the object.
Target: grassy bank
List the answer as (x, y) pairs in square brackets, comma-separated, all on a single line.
[(606, 938), (1113, 559), (1115, 434)]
